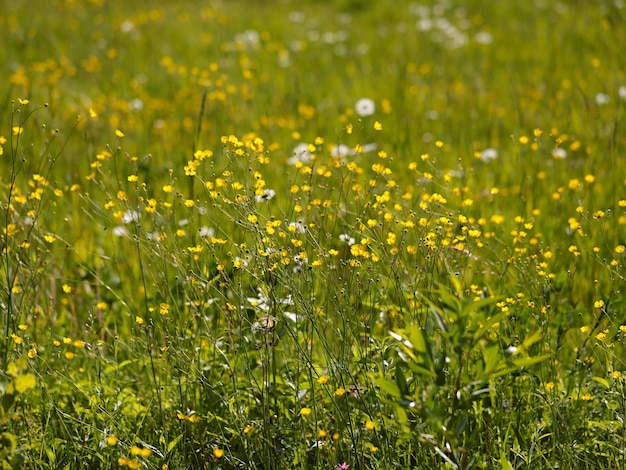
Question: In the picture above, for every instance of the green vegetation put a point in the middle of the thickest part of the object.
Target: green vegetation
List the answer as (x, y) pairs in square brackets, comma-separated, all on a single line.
[(321, 235)]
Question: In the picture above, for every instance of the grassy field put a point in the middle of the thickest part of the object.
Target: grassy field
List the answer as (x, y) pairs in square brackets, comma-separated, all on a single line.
[(319, 235)]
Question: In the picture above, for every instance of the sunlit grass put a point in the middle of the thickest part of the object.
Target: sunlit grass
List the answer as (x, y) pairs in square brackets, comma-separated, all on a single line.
[(312, 235)]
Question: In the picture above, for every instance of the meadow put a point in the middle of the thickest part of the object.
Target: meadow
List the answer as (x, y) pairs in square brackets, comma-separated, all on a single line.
[(318, 235)]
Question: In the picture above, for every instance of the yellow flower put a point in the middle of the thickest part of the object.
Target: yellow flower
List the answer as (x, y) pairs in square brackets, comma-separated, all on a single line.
[(620, 249), (218, 453), (598, 304), (112, 440), (32, 353), (305, 411), (340, 391), (119, 133), (370, 425)]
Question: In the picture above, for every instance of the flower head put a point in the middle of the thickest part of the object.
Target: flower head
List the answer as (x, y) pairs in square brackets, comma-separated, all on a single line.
[(365, 107)]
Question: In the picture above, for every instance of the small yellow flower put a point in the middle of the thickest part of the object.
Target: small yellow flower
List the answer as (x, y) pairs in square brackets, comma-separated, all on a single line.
[(340, 391), (586, 397), (620, 249), (218, 453), (17, 130), (378, 126), (616, 374), (21, 101), (112, 441), (67, 288), (92, 113), (598, 304), (119, 133), (69, 355), (32, 353), (322, 434), (370, 425), (133, 178), (305, 411)]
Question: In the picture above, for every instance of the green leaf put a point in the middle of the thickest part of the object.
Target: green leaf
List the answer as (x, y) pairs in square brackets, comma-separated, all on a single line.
[(388, 387), (504, 462), (602, 381), (173, 443)]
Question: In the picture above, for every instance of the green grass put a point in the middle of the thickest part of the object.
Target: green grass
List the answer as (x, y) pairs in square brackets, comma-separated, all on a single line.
[(438, 284)]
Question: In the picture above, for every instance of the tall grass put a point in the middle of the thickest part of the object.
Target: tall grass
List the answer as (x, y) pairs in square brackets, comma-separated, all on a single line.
[(312, 235)]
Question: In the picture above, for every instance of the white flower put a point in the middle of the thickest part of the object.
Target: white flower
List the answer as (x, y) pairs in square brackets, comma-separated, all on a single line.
[(602, 98), (266, 196), (120, 231), (346, 238), (621, 91), (341, 150), (559, 153), (300, 154), (488, 154), (365, 107), (206, 231), (483, 37), (130, 216), (297, 227)]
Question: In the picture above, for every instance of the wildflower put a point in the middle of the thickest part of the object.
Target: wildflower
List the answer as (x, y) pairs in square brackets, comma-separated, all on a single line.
[(365, 107), (266, 196), (586, 397), (619, 249), (340, 391), (322, 380), (488, 155), (305, 411), (119, 133), (598, 304), (602, 99), (343, 466), (370, 425), (218, 453), (301, 153), (559, 153), (32, 353), (112, 441), (341, 150)]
